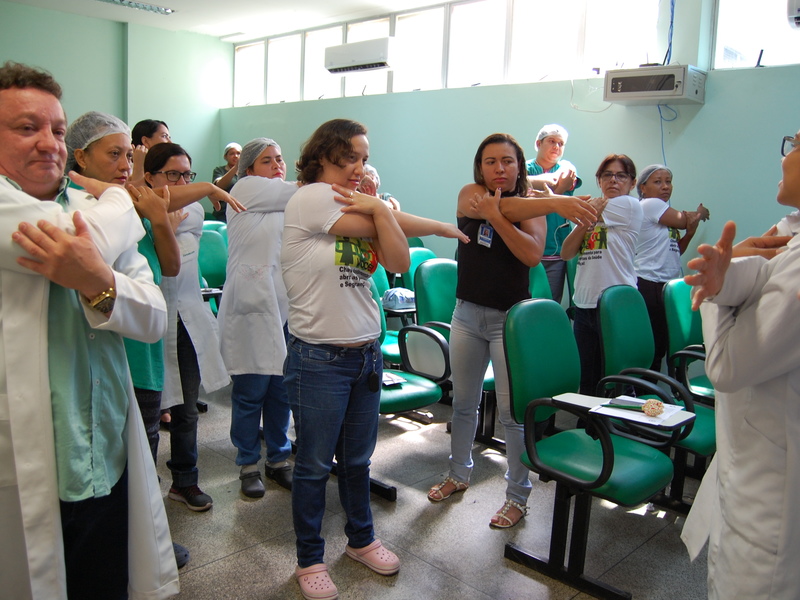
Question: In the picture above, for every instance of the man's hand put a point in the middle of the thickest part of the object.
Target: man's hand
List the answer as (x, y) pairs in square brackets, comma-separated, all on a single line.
[(71, 261), (711, 266)]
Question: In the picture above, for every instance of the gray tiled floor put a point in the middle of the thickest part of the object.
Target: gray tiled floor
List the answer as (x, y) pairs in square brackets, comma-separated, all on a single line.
[(244, 549)]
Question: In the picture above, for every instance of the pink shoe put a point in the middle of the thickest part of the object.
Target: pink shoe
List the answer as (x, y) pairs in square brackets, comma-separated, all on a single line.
[(315, 583), (381, 560)]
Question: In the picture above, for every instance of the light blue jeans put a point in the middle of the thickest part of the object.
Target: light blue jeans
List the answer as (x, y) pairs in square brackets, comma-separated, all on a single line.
[(476, 336)]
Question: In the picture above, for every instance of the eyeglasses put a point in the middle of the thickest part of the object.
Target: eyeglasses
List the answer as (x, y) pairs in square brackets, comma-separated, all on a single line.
[(790, 142), (174, 176), (621, 177)]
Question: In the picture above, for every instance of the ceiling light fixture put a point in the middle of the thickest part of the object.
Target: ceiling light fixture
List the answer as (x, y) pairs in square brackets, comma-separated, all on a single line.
[(159, 10)]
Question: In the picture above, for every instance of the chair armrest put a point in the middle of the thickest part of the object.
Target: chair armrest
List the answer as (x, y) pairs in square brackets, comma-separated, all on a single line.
[(679, 390), (424, 352), (593, 424)]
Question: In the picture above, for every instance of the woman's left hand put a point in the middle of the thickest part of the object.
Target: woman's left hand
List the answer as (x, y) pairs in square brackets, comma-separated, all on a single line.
[(218, 195), (452, 231), (487, 206), (148, 203), (93, 186)]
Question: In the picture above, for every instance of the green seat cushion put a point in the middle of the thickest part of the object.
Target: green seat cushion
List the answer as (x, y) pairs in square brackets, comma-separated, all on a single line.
[(639, 470), (702, 386), (416, 392), (703, 438), (488, 379)]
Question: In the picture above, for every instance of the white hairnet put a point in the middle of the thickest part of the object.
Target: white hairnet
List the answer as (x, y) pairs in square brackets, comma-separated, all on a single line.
[(373, 172), (646, 173), (89, 128), (251, 152), (554, 130)]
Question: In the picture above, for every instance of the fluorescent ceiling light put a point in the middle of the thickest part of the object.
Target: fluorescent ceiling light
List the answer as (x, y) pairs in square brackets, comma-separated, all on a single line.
[(160, 10)]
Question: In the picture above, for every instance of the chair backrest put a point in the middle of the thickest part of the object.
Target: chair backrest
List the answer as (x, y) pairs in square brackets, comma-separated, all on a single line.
[(435, 290), (415, 242), (684, 325), (539, 284), (213, 258), (381, 280), (626, 335), (378, 297), (418, 256), (219, 226), (541, 354)]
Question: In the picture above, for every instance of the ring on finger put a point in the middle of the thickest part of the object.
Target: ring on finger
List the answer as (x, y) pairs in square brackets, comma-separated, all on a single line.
[(351, 194)]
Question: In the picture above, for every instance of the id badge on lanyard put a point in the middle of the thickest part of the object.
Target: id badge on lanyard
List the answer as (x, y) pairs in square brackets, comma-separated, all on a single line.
[(485, 235)]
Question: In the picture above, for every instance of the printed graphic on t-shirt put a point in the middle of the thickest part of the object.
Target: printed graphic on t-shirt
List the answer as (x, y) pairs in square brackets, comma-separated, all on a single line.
[(356, 260), (594, 243)]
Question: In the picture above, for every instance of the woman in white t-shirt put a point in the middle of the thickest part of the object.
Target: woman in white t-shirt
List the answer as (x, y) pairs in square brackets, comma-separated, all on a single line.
[(660, 245), (334, 366), (606, 250)]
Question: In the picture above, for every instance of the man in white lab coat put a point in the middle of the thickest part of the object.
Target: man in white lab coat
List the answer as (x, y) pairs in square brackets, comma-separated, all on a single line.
[(73, 458), (747, 505)]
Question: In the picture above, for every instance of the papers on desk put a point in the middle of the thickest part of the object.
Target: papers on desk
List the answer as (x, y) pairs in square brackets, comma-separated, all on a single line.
[(390, 379), (633, 415)]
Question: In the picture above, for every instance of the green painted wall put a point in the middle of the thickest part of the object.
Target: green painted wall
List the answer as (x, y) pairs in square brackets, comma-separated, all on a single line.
[(724, 153)]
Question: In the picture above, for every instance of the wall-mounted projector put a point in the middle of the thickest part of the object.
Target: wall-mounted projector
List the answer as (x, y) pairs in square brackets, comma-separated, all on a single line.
[(672, 84), (359, 56), (793, 12)]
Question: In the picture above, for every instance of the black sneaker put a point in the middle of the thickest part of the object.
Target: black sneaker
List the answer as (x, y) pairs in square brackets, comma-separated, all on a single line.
[(192, 496), (282, 475)]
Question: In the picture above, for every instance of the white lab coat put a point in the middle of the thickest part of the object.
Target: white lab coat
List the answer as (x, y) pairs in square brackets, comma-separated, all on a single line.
[(183, 296), (747, 505), (31, 558), (254, 304)]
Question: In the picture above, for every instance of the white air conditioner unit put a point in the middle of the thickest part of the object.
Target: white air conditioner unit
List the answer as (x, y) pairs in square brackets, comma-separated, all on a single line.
[(672, 84), (359, 56), (793, 12)]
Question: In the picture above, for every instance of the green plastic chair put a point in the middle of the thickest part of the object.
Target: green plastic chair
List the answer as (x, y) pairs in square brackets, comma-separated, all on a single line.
[(543, 362), (220, 226), (415, 242), (685, 335), (389, 345), (213, 258), (539, 284), (628, 348), (418, 256)]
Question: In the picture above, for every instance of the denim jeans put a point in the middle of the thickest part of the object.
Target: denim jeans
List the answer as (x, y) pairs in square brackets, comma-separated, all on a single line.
[(257, 399), (587, 336), (183, 426), (476, 336), (335, 413), (95, 534)]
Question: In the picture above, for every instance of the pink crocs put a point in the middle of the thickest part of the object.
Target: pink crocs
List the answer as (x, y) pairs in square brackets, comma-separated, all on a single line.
[(315, 583), (381, 560)]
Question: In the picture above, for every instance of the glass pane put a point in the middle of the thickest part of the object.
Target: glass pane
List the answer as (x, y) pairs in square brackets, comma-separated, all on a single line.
[(248, 80), (418, 39), (318, 82), (366, 83), (477, 43), (621, 34), (744, 29), (283, 68), (546, 40)]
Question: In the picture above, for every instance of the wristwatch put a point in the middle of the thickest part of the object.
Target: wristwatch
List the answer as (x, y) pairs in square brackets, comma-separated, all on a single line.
[(105, 301)]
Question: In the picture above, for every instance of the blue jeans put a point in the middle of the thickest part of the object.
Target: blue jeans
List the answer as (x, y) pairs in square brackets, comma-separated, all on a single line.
[(587, 336), (335, 413), (256, 399), (476, 336), (183, 426)]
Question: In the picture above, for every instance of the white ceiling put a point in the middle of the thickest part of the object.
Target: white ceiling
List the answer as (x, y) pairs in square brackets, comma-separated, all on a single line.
[(251, 18)]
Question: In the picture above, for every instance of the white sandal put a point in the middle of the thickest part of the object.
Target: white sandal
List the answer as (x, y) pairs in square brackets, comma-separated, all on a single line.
[(503, 520), (435, 493)]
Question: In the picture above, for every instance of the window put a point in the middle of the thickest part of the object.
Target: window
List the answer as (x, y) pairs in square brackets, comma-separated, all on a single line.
[(283, 69), (419, 39), (248, 65), (620, 34), (477, 43), (318, 82), (366, 83), (745, 29)]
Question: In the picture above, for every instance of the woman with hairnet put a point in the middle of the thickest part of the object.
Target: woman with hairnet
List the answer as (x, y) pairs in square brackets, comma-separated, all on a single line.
[(660, 245), (252, 316)]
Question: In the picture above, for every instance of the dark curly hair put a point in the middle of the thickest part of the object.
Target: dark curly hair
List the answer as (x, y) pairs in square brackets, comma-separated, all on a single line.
[(18, 75), (330, 141), (521, 187)]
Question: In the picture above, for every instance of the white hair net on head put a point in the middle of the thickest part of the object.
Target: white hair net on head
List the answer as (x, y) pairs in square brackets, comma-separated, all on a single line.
[(552, 129), (251, 152), (373, 172), (89, 128)]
